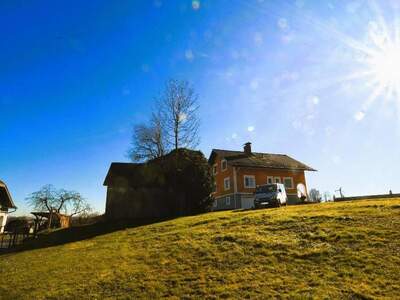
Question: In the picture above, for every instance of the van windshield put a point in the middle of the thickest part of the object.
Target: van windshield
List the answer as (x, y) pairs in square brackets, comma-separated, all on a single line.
[(270, 188)]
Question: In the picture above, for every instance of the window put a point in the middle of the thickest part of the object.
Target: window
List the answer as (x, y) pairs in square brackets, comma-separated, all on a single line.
[(227, 183), (288, 182), (277, 180), (228, 200), (224, 165), (215, 204), (214, 188), (215, 169), (249, 181), (270, 179)]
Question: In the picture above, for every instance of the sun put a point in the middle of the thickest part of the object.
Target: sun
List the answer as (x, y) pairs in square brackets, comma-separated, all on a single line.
[(378, 63), (384, 65)]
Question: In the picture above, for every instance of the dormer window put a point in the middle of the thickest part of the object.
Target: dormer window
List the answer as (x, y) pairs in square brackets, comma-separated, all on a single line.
[(224, 165)]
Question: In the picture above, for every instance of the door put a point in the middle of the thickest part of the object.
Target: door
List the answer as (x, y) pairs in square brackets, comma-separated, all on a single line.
[(247, 202)]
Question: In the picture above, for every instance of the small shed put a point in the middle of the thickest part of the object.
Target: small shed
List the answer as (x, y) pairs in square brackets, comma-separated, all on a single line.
[(6, 205)]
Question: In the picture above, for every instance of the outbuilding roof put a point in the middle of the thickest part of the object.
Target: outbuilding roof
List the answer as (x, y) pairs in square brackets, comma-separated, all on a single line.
[(5, 197), (146, 174), (259, 160), (121, 171)]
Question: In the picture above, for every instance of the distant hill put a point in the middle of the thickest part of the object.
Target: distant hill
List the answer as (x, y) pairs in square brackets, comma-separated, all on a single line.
[(333, 250)]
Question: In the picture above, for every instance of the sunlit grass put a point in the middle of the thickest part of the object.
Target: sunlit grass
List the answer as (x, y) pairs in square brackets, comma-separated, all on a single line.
[(335, 250)]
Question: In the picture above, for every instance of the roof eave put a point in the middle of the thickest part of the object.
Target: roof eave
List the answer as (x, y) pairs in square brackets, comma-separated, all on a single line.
[(107, 179), (109, 176), (10, 200)]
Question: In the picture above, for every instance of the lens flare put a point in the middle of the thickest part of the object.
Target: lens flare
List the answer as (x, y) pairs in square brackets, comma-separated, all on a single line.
[(385, 67), (379, 56)]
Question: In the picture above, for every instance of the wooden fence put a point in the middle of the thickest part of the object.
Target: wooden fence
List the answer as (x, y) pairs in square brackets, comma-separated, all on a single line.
[(10, 240), (388, 196)]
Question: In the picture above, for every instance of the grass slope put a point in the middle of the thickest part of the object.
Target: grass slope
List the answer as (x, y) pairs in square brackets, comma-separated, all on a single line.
[(333, 250)]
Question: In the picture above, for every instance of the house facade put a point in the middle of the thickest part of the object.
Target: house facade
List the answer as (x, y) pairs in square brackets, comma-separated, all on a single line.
[(6, 204), (237, 173)]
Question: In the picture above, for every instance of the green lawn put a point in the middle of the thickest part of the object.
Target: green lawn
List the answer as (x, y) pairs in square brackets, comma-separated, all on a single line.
[(332, 250)]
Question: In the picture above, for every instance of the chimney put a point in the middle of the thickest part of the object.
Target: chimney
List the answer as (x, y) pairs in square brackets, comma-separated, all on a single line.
[(247, 148)]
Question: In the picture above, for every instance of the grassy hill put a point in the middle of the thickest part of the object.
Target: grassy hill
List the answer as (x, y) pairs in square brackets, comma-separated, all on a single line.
[(346, 250)]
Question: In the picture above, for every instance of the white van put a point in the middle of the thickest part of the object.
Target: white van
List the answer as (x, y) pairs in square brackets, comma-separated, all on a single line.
[(270, 195)]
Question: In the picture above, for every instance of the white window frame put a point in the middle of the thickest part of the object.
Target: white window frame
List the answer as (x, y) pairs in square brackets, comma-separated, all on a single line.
[(279, 179), (272, 179), (228, 200), (227, 179), (215, 169), (244, 181), (222, 165), (291, 182)]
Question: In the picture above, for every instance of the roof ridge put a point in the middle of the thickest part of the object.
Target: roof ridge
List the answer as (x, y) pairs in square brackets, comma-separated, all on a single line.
[(270, 153), (126, 163), (252, 152), (225, 150)]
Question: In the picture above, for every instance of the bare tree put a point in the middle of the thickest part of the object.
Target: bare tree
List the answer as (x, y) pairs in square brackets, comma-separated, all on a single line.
[(174, 124), (340, 190), (148, 141), (315, 195), (327, 196), (178, 107), (51, 199)]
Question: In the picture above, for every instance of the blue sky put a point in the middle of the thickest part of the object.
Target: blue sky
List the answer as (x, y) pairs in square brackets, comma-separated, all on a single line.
[(301, 77)]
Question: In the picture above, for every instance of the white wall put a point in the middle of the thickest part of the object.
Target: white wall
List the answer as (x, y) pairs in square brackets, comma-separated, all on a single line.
[(3, 221)]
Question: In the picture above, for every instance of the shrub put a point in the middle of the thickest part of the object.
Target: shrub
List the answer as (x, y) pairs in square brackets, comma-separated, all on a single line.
[(186, 178)]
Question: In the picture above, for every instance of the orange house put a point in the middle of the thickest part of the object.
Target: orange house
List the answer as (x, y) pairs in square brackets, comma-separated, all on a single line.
[(237, 173)]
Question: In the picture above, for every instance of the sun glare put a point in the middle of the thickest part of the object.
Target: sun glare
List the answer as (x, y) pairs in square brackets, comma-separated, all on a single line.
[(379, 56), (385, 68)]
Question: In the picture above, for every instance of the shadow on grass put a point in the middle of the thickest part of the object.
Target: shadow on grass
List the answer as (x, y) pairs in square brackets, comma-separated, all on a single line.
[(79, 233), (241, 210)]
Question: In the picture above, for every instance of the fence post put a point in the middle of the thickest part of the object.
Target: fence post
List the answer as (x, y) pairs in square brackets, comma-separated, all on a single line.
[(10, 240)]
